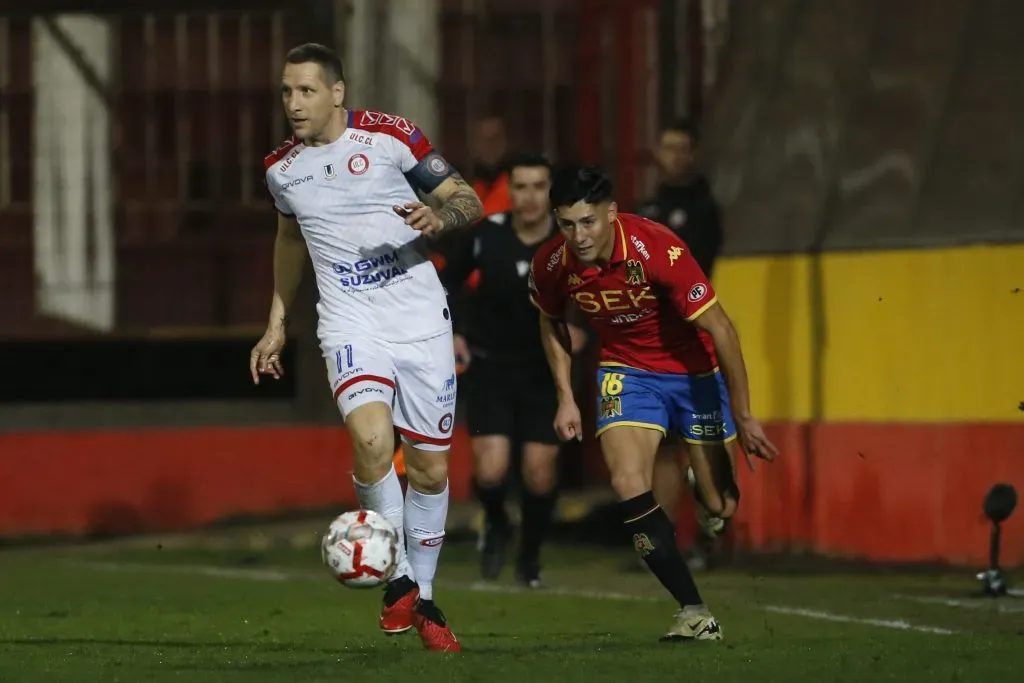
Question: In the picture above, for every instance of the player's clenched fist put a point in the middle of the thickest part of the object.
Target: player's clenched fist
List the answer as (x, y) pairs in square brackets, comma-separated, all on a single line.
[(265, 358), (568, 423)]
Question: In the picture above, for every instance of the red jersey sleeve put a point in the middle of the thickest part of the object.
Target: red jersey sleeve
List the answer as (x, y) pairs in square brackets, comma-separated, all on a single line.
[(685, 283), (288, 150), (547, 290)]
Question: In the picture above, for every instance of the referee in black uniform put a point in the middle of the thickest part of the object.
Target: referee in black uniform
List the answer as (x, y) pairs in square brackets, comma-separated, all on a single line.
[(510, 394)]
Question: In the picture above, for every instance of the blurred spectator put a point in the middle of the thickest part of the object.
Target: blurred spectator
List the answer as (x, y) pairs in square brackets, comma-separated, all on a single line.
[(683, 200), (490, 175)]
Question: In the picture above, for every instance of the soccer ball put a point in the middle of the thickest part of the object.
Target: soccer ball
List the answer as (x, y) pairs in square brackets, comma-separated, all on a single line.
[(360, 549)]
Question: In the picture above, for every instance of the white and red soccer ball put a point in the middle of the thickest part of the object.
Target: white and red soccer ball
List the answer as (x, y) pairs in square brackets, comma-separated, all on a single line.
[(360, 549)]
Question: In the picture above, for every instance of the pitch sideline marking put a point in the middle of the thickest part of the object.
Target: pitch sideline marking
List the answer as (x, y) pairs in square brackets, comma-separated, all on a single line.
[(274, 575), (895, 624), (965, 603)]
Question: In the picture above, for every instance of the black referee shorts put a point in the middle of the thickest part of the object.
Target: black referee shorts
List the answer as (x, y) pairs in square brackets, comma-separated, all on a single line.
[(517, 400)]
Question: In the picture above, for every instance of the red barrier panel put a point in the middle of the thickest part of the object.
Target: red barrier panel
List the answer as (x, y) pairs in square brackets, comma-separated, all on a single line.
[(899, 493), (150, 479)]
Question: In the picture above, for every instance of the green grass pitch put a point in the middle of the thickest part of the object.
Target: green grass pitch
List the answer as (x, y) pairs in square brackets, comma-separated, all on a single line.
[(135, 614)]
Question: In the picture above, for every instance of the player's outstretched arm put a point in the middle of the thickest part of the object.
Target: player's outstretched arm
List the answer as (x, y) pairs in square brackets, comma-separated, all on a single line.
[(289, 261), (718, 325), (554, 336)]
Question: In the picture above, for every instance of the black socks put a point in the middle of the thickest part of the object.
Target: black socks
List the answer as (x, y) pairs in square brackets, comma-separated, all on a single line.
[(653, 536)]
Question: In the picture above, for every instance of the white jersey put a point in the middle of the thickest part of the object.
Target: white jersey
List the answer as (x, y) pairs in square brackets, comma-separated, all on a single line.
[(372, 270)]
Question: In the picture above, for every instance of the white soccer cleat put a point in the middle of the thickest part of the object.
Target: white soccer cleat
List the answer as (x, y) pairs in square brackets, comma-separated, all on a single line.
[(693, 625), (709, 524)]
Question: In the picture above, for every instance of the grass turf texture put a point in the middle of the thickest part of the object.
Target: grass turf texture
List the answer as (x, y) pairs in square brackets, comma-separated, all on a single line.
[(113, 613)]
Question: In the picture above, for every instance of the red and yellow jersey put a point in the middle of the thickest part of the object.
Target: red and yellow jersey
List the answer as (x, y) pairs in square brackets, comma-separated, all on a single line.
[(641, 304)]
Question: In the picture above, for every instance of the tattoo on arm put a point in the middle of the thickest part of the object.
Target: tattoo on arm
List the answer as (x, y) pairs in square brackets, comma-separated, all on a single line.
[(461, 208)]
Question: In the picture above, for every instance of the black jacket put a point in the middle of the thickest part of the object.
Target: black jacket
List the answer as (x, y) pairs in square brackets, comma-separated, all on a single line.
[(691, 212)]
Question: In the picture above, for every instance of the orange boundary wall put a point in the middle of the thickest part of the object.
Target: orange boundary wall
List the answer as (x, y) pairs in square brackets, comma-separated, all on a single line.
[(903, 493)]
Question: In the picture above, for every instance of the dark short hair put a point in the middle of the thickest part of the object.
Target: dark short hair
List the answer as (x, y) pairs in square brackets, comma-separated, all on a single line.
[(327, 58), (686, 126), (587, 184), (527, 160)]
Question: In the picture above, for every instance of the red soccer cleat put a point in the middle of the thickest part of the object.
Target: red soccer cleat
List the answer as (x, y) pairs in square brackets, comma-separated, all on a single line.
[(433, 628), (397, 615)]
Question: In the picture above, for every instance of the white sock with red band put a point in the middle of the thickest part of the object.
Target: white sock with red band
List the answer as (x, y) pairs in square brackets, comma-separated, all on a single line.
[(425, 515), (385, 497)]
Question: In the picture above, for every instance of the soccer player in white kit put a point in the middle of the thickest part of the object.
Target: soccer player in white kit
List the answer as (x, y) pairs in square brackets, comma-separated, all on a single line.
[(345, 188)]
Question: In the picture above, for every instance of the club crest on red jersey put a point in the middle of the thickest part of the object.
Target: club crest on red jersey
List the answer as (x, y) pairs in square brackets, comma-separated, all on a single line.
[(635, 273)]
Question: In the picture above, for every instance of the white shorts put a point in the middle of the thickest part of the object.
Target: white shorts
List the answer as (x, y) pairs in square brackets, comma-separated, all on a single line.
[(417, 379)]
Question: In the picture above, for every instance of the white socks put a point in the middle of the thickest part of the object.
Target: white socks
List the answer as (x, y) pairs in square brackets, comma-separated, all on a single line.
[(385, 497), (425, 516)]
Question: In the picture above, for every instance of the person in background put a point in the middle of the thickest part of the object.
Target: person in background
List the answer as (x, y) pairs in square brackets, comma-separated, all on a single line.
[(683, 202), (490, 168), (509, 389)]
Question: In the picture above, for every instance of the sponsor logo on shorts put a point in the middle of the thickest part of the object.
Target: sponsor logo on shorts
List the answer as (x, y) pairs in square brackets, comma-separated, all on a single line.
[(432, 542), (345, 375), (447, 396), (445, 423), (712, 425), (611, 406), (705, 431)]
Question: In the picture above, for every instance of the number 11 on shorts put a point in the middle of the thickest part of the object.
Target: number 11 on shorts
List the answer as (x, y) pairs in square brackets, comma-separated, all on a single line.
[(346, 360)]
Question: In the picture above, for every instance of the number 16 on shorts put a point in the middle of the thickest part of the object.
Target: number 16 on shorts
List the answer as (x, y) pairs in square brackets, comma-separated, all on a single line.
[(610, 400), (630, 397)]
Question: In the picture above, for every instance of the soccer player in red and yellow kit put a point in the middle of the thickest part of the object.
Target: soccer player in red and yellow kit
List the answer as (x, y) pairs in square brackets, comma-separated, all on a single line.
[(670, 360)]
